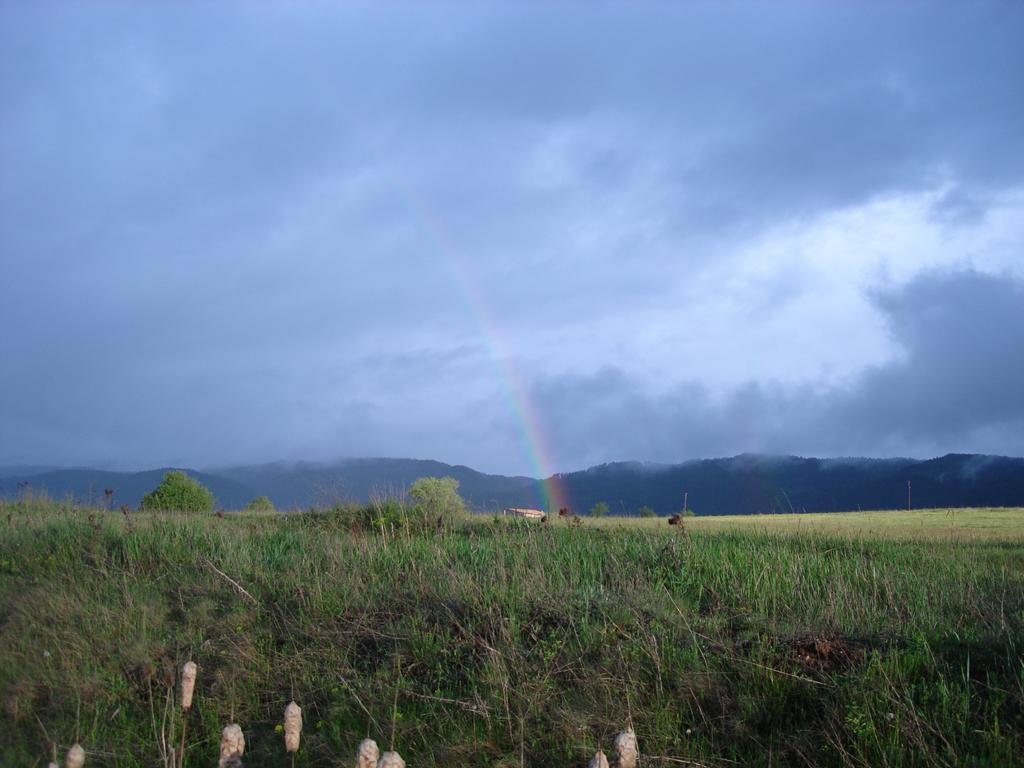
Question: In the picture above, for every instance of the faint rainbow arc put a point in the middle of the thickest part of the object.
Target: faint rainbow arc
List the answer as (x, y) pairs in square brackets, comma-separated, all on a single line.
[(538, 450)]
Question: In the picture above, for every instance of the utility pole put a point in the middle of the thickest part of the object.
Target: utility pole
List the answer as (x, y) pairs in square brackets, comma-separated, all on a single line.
[(685, 495), (908, 495)]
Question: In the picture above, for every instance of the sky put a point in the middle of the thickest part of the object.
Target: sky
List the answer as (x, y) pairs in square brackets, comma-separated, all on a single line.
[(528, 238)]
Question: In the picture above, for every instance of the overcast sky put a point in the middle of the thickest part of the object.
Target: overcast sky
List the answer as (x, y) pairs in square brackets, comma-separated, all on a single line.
[(487, 233)]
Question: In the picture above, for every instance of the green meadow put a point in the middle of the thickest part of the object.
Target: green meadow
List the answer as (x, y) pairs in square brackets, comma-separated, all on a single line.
[(955, 525), (864, 639)]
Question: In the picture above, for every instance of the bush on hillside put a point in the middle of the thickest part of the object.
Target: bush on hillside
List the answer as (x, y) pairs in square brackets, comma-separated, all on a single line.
[(260, 504), (179, 493)]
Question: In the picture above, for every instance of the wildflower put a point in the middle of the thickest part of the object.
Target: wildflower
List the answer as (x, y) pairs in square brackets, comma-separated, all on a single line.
[(75, 758), (188, 684), (292, 727), (367, 754), (626, 752), (232, 744)]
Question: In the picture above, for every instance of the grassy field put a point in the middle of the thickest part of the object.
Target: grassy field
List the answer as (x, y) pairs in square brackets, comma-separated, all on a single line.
[(1000, 524), (873, 639)]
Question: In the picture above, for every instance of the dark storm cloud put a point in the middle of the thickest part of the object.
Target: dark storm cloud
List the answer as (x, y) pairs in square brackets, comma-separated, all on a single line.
[(957, 382), (962, 369), (254, 231), (805, 108)]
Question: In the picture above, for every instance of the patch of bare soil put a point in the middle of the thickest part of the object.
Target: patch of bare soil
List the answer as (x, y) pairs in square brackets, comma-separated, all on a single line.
[(823, 653)]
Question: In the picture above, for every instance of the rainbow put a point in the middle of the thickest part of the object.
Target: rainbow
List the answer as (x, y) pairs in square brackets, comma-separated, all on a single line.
[(537, 447)]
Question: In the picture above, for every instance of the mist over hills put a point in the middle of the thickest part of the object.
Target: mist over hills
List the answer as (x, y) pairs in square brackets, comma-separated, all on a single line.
[(742, 484)]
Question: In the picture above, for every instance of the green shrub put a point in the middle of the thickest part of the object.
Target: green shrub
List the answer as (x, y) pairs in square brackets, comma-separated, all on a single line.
[(180, 493), (599, 510), (388, 515), (260, 504), (645, 511), (434, 503), (438, 497)]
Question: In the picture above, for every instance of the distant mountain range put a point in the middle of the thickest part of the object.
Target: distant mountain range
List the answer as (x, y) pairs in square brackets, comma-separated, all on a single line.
[(739, 485)]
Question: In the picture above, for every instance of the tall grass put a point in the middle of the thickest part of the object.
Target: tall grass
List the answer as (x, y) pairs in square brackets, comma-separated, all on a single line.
[(507, 643)]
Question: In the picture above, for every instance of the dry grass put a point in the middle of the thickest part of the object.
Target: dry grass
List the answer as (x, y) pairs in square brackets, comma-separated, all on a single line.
[(976, 524)]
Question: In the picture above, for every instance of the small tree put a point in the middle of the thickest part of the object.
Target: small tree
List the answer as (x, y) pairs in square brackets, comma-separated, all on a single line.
[(178, 492), (645, 511), (599, 510), (260, 504), (438, 496)]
